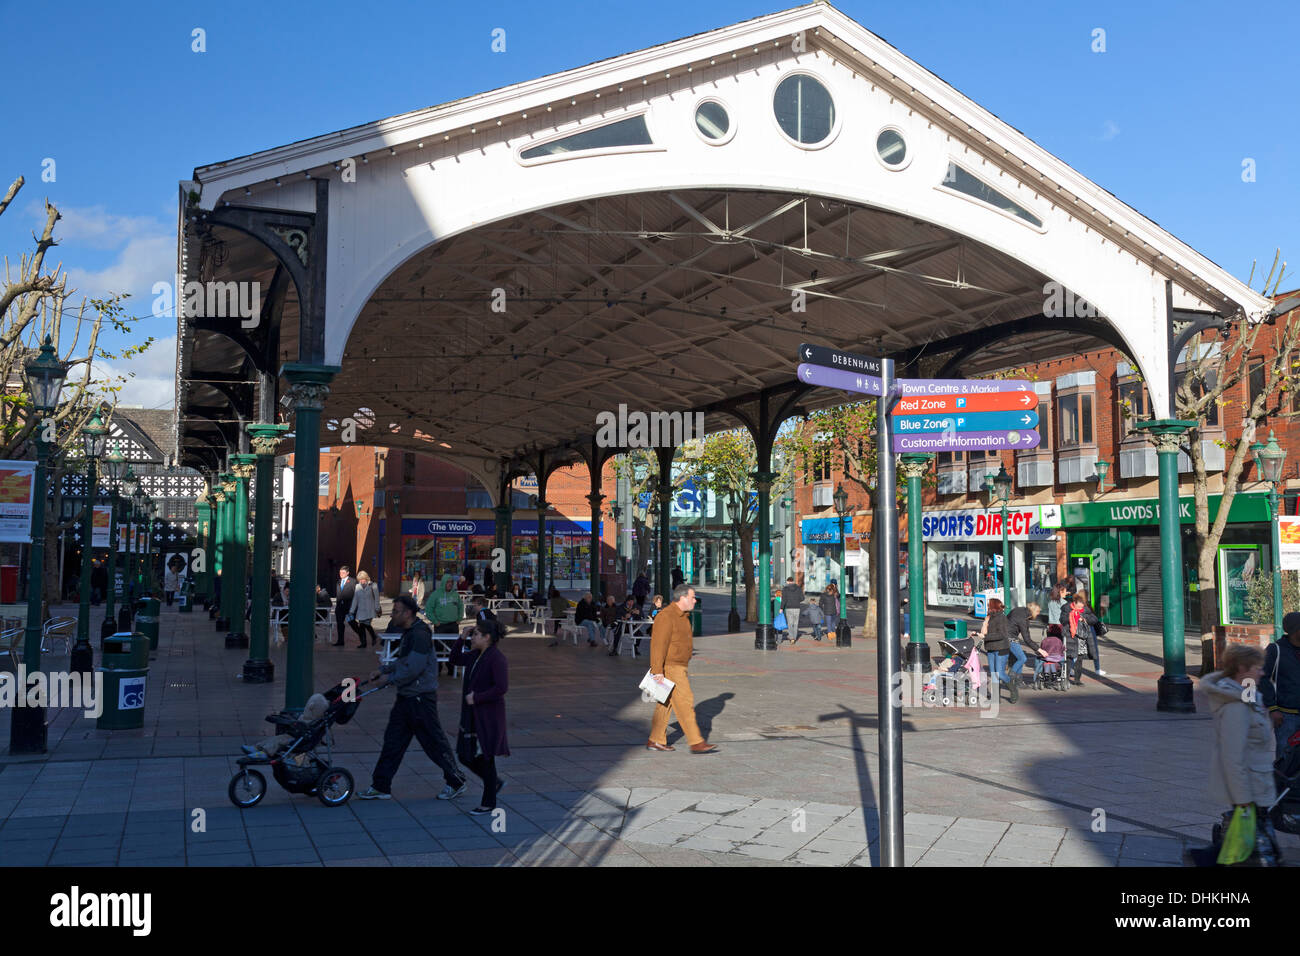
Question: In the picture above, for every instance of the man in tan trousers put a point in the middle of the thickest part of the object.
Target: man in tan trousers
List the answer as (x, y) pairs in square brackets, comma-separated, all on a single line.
[(671, 646)]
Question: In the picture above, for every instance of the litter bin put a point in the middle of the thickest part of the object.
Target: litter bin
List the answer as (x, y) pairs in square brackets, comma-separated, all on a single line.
[(954, 630), (125, 667), (697, 622), (9, 584), (146, 620)]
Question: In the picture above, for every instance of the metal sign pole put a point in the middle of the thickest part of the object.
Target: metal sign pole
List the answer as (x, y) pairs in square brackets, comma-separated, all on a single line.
[(890, 720)]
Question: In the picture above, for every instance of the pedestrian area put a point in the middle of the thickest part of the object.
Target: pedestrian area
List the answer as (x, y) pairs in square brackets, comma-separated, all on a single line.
[(1090, 777)]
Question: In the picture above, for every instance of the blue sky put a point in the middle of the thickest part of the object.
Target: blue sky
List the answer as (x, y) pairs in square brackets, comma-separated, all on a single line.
[(1164, 118)]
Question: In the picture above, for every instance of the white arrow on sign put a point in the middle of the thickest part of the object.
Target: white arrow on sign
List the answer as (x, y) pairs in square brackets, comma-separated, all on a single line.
[(807, 373), (1027, 400), (1026, 419), (1029, 439), (807, 353)]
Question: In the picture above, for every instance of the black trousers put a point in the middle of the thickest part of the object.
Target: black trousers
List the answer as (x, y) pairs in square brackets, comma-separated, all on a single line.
[(361, 629), (485, 767), (414, 717)]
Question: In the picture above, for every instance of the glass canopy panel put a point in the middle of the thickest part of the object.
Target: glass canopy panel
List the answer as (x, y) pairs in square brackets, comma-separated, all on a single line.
[(628, 132)]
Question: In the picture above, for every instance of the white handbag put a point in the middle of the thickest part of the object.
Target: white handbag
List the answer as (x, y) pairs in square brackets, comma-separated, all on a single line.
[(652, 691)]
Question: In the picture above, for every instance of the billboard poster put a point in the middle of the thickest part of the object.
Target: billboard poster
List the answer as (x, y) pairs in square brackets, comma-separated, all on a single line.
[(953, 577), (1288, 529), (16, 479), (101, 521), (1238, 566)]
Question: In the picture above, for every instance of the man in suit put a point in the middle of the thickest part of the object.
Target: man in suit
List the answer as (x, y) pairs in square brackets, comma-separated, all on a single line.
[(671, 646), (346, 588)]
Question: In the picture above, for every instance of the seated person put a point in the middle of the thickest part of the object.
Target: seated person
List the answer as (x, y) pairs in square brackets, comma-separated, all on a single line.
[(609, 616), (656, 606), (951, 663), (312, 711), (626, 613)]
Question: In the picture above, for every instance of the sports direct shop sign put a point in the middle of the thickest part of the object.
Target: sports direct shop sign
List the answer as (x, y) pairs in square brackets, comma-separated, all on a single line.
[(978, 525)]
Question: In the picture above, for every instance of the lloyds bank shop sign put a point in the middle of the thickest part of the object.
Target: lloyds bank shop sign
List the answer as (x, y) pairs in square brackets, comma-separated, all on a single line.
[(1246, 508)]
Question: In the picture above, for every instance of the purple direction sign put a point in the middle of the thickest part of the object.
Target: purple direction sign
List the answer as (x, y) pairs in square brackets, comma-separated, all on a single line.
[(834, 378), (966, 441), (961, 386)]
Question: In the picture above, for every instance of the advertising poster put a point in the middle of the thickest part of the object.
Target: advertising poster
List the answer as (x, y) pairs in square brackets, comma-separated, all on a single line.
[(100, 525), (16, 500), (1238, 565), (954, 577), (1288, 527)]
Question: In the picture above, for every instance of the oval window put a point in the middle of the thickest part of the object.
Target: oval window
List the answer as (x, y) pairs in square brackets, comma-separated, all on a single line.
[(891, 148), (712, 121), (804, 109)]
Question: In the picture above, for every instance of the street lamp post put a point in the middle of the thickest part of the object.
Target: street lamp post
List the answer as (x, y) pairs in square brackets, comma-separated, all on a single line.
[(999, 489), (733, 618), (130, 486), (44, 381), (94, 436), (113, 464), (1269, 459), (843, 633)]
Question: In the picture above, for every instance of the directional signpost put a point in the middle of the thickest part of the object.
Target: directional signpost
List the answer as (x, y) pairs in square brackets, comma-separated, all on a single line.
[(914, 415)]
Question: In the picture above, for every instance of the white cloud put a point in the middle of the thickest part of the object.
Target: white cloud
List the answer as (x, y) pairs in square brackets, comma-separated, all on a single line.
[(98, 228), (150, 376), (1109, 130)]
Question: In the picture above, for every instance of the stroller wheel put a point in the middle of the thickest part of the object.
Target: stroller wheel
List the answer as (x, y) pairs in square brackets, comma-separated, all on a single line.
[(1216, 834), (946, 700), (931, 697), (974, 700), (334, 787), (246, 789)]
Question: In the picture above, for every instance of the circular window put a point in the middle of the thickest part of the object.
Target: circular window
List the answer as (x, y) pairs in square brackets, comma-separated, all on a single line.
[(712, 122), (804, 109), (891, 148)]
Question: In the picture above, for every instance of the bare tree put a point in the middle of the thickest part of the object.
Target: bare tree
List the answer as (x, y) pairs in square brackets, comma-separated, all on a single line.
[(1216, 364)]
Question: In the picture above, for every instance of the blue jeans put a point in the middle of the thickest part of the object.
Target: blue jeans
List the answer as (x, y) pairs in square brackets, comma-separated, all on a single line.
[(998, 665), (1290, 724), (593, 635)]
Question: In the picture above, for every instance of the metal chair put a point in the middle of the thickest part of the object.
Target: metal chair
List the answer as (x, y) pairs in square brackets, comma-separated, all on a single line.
[(11, 643), (58, 629)]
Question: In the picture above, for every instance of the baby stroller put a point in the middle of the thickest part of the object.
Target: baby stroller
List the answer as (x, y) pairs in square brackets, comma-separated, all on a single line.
[(959, 683), (1053, 674), (297, 767), (1285, 813)]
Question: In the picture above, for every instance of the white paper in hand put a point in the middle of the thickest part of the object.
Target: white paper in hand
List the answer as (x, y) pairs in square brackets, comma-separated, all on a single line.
[(653, 690)]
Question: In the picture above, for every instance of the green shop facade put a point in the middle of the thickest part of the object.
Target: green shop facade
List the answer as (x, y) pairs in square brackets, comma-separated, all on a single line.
[(1113, 553)]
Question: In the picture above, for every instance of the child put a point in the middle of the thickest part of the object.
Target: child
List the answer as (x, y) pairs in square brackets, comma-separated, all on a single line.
[(1053, 648), (656, 605)]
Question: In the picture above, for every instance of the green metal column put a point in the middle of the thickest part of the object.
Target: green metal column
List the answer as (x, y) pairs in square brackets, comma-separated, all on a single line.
[(1274, 510), (242, 467), (505, 541), (595, 499), (664, 521), (110, 600), (87, 557), (1174, 689), (764, 635), (309, 387), (1007, 597), (265, 439), (917, 658), (225, 505), (203, 534), (27, 733)]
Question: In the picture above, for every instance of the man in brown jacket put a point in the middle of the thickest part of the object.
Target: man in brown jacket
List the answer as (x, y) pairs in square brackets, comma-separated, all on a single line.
[(671, 646)]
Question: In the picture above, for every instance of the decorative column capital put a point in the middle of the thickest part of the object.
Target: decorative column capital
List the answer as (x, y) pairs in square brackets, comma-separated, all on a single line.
[(265, 438), (594, 499), (1167, 433), (914, 466), (764, 480), (542, 507), (242, 466), (219, 496), (308, 384)]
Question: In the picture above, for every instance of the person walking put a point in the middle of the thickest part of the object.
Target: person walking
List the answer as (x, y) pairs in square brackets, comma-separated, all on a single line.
[(830, 605), (791, 598), (445, 609), (671, 646), (346, 588), (677, 577), (414, 672), (1241, 756), (417, 589), (365, 608), (1018, 620), (996, 635), (1056, 604), (482, 735), (587, 615), (1280, 686), (1083, 633)]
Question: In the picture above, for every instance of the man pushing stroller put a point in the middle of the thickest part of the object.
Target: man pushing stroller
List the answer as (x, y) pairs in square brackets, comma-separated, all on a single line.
[(414, 672)]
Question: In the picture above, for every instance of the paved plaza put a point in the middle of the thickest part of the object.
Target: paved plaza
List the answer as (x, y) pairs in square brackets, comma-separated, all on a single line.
[(794, 781)]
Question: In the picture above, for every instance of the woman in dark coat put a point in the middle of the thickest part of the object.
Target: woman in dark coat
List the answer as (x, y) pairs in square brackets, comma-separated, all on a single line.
[(996, 634), (483, 706)]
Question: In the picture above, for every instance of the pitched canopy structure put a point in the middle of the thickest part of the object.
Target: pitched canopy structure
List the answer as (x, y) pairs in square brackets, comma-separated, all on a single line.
[(661, 230)]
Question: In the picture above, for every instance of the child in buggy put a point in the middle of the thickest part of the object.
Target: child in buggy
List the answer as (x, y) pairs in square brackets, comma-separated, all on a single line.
[(1052, 673), (291, 753), (957, 677)]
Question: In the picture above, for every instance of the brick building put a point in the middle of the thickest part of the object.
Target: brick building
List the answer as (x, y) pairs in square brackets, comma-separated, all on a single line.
[(390, 513), (1064, 520)]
